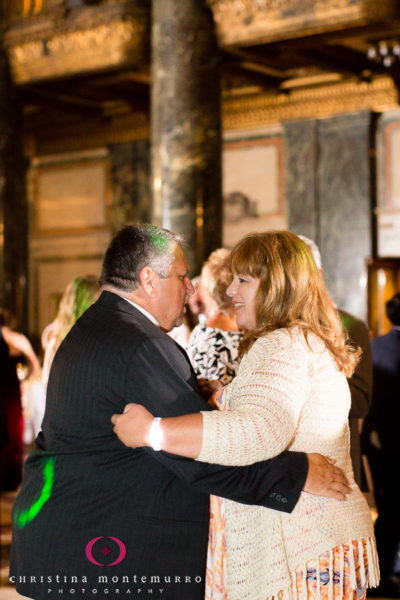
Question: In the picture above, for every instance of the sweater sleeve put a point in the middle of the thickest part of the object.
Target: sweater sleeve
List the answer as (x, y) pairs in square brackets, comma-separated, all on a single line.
[(264, 403)]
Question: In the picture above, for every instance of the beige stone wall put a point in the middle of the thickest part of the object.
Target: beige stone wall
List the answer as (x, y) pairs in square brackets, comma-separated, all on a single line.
[(69, 196)]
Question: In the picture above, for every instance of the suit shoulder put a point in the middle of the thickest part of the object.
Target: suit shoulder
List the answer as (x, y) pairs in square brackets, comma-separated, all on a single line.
[(388, 340), (351, 322), (118, 326)]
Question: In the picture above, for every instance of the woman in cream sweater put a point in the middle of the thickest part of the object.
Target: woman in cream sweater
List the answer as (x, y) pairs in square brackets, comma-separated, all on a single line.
[(290, 393)]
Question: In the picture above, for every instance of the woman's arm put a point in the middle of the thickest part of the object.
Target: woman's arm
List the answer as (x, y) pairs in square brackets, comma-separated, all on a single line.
[(177, 435), (262, 421), (18, 343)]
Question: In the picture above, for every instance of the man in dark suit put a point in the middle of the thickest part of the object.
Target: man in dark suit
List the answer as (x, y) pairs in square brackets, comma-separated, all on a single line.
[(381, 444), (94, 515), (360, 384)]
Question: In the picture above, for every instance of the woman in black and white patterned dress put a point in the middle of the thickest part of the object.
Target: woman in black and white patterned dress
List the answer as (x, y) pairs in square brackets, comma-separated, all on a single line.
[(213, 345)]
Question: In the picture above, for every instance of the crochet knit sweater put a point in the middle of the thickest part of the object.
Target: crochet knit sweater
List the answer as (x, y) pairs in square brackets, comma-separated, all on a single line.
[(286, 395)]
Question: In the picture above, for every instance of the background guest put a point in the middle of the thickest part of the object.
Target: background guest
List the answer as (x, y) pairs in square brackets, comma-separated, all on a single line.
[(195, 312), (213, 345), (381, 444), (14, 347), (196, 308), (79, 294)]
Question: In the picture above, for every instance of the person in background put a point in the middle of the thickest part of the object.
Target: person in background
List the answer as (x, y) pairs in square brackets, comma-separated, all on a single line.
[(4, 437), (14, 346), (201, 304), (79, 294), (194, 313), (181, 333), (195, 308), (380, 439), (213, 345), (360, 382), (290, 392)]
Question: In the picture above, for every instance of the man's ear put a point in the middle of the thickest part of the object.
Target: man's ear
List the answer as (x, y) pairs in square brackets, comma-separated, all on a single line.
[(148, 281)]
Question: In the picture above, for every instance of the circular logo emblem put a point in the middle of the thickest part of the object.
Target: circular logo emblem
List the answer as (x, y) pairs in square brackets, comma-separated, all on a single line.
[(118, 548)]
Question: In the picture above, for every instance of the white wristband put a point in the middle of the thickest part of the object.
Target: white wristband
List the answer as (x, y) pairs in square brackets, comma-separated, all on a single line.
[(155, 434)]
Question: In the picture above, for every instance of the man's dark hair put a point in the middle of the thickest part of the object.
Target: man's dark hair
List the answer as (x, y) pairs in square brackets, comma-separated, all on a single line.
[(135, 247), (393, 310)]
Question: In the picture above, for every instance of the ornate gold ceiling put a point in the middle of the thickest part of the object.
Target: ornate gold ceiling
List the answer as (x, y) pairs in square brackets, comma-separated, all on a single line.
[(87, 61), (245, 22)]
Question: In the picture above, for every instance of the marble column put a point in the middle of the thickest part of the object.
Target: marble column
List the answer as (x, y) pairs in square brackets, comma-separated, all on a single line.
[(13, 202), (130, 177), (344, 184), (300, 139), (186, 125), (328, 192)]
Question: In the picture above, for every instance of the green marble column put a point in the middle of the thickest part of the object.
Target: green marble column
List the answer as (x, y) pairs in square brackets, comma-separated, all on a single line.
[(130, 177), (186, 125), (13, 202), (301, 152), (328, 194)]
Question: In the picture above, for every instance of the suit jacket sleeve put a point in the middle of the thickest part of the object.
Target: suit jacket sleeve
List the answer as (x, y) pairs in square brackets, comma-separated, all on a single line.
[(360, 382), (172, 390)]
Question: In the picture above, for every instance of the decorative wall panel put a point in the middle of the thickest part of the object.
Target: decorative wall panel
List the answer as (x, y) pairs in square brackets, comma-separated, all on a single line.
[(72, 197), (388, 209), (253, 187)]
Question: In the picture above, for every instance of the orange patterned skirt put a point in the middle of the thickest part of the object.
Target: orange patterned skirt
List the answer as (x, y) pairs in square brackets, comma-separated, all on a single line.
[(328, 580)]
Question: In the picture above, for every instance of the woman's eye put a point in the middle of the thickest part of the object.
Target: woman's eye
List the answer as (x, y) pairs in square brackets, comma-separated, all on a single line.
[(242, 280)]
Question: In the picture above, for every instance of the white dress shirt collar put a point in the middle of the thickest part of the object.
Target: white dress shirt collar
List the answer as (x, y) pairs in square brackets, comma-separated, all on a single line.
[(143, 311)]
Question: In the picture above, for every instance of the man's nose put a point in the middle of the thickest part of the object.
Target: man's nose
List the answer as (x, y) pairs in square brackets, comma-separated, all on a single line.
[(189, 286)]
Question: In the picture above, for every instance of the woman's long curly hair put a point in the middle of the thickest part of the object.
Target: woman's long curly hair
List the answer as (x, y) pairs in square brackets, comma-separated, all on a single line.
[(79, 294), (291, 293)]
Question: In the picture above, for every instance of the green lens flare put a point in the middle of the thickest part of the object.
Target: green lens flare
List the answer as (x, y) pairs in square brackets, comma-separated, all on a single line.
[(26, 516)]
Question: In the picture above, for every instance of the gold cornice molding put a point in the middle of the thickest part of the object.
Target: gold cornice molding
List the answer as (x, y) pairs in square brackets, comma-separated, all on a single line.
[(118, 43), (257, 111), (237, 113), (259, 21)]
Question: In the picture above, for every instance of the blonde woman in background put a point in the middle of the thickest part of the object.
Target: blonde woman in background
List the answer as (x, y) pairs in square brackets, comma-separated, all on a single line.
[(213, 345), (79, 294), (290, 393)]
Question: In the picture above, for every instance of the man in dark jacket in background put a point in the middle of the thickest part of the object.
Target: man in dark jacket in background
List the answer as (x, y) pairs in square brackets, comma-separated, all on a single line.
[(381, 443)]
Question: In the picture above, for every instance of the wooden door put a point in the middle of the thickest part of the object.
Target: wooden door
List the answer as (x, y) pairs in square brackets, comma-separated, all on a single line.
[(383, 283)]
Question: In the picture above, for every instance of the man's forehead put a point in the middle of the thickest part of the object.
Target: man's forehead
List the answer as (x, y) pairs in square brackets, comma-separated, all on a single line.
[(180, 261), (178, 252)]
